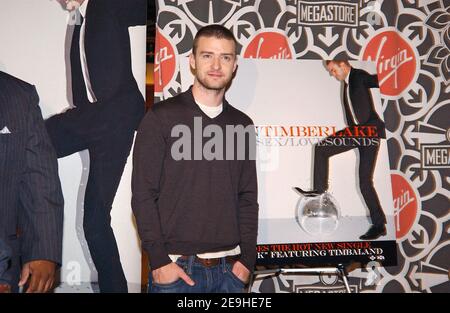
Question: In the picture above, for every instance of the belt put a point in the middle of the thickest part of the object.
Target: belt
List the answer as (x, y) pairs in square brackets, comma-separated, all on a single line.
[(212, 262), (5, 288)]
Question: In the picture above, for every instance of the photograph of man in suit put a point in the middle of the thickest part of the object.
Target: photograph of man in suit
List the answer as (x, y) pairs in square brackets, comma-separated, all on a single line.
[(108, 107), (359, 112), (31, 201)]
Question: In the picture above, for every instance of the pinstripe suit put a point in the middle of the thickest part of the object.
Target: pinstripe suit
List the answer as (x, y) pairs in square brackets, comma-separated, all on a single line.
[(5, 256), (31, 202)]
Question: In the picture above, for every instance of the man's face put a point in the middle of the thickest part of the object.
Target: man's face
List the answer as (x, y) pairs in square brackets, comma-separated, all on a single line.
[(337, 70), (214, 62)]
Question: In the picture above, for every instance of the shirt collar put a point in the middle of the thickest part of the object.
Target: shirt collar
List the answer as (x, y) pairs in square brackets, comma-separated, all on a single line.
[(347, 77), (189, 98), (83, 8), (209, 108)]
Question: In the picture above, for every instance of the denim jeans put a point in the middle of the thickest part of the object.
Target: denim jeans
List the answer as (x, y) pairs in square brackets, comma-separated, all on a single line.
[(214, 279)]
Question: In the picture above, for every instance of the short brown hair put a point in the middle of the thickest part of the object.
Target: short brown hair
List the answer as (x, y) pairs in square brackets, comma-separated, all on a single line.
[(339, 62), (213, 30)]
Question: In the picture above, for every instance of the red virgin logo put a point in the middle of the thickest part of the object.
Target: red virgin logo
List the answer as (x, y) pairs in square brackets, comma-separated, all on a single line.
[(405, 205), (269, 45), (165, 62), (395, 61)]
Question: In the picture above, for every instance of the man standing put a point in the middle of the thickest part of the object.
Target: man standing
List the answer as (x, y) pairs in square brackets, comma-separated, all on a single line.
[(360, 114), (197, 215), (31, 202), (108, 109)]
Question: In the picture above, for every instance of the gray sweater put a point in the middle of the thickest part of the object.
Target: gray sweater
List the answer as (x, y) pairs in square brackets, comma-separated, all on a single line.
[(195, 205)]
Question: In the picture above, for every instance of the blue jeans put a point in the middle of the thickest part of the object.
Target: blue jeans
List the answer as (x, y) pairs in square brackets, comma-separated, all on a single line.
[(214, 279)]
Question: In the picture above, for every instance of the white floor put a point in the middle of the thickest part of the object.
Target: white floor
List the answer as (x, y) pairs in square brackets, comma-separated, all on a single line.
[(349, 228)]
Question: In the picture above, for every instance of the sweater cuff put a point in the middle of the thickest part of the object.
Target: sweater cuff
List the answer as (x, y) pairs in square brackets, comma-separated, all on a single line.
[(157, 256)]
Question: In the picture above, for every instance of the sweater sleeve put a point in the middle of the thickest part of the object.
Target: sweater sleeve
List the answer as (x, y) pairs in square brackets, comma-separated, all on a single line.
[(148, 161), (248, 205)]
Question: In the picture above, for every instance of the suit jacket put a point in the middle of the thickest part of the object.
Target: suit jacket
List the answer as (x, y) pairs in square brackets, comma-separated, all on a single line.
[(359, 86), (31, 201), (108, 56)]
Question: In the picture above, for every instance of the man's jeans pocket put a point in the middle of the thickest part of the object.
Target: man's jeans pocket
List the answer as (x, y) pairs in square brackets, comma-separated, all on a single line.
[(167, 288)]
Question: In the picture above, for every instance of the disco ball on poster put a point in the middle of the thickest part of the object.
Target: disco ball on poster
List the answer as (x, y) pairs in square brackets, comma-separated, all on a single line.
[(319, 215)]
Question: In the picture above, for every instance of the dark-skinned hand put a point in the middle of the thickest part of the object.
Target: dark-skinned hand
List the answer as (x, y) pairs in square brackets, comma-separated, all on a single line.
[(40, 275)]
